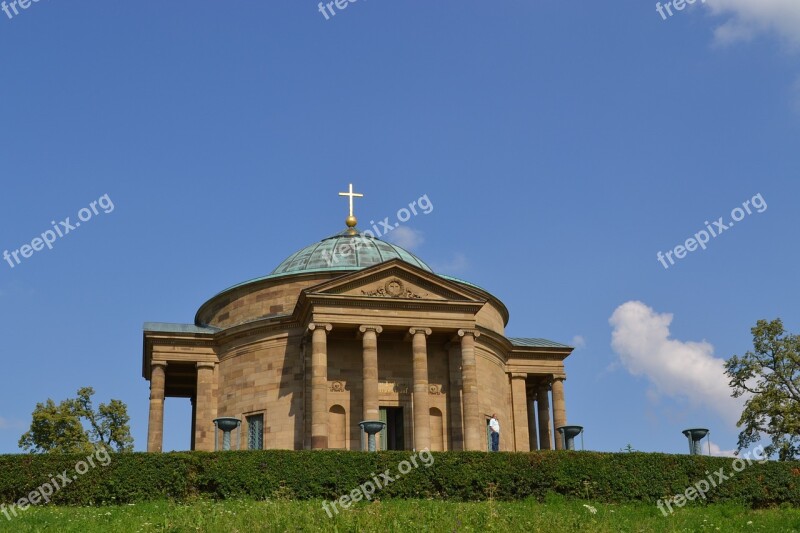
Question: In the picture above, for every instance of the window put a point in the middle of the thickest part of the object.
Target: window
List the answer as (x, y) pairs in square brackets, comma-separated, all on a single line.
[(255, 432)]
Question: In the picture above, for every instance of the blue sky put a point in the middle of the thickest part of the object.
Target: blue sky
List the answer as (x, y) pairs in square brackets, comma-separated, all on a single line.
[(562, 145)]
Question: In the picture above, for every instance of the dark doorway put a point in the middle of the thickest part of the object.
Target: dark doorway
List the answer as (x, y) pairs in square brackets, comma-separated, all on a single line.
[(391, 437)]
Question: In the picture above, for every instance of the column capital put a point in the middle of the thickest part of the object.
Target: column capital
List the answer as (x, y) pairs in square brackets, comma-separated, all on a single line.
[(474, 332), (314, 325), (205, 364), (366, 327), (519, 375), (559, 377), (415, 330), (162, 364)]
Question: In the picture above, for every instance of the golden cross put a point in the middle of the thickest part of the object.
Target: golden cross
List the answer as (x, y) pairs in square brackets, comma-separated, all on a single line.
[(352, 195)]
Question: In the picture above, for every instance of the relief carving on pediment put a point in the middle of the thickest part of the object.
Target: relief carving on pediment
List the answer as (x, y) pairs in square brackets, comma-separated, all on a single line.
[(393, 288)]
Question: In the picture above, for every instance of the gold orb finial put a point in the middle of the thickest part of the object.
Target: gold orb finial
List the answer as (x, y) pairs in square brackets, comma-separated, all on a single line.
[(351, 221)]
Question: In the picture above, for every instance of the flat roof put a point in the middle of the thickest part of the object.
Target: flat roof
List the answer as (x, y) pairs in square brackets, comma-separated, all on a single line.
[(534, 342), (168, 327)]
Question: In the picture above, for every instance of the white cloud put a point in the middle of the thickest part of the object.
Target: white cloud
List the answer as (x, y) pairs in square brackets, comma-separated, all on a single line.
[(719, 452), (405, 237), (578, 342), (677, 369), (749, 17), (456, 265)]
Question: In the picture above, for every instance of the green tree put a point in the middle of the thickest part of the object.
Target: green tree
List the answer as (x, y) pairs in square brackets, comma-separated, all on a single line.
[(60, 427), (770, 374)]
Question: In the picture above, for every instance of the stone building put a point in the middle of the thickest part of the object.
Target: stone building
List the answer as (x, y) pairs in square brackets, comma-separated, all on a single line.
[(353, 328)]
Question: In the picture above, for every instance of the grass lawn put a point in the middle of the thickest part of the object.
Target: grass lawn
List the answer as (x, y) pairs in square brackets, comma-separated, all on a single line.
[(556, 514)]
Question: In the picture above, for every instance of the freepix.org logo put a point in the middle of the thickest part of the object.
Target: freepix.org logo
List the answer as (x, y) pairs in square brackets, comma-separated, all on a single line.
[(679, 5), (62, 229), (379, 229), (9, 7), (756, 204), (366, 490), (43, 493), (341, 5)]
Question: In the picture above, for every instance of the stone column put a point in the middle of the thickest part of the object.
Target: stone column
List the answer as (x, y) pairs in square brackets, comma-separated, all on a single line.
[(454, 410), (422, 411), (155, 428), (543, 399), (204, 408), (319, 385), (559, 409), (474, 428), (194, 420), (370, 371), (519, 399), (532, 419)]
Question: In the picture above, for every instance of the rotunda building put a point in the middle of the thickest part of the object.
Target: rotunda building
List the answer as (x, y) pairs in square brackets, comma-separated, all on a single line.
[(353, 328)]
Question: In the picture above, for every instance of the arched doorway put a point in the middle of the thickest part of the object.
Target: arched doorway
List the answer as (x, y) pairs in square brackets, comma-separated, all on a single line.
[(337, 428), (437, 430)]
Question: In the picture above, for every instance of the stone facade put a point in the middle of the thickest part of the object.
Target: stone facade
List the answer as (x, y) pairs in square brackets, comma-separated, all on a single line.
[(315, 353)]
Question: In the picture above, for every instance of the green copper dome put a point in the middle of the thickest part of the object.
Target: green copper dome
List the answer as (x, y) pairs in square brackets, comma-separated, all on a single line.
[(348, 250)]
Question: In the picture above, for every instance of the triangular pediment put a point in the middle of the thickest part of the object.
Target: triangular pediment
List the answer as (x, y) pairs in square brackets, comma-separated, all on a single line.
[(396, 279)]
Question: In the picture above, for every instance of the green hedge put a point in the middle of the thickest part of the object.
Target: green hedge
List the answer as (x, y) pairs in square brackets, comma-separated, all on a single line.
[(279, 474)]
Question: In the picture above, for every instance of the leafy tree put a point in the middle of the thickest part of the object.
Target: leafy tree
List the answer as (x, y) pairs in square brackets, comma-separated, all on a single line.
[(60, 428), (55, 428), (770, 373)]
